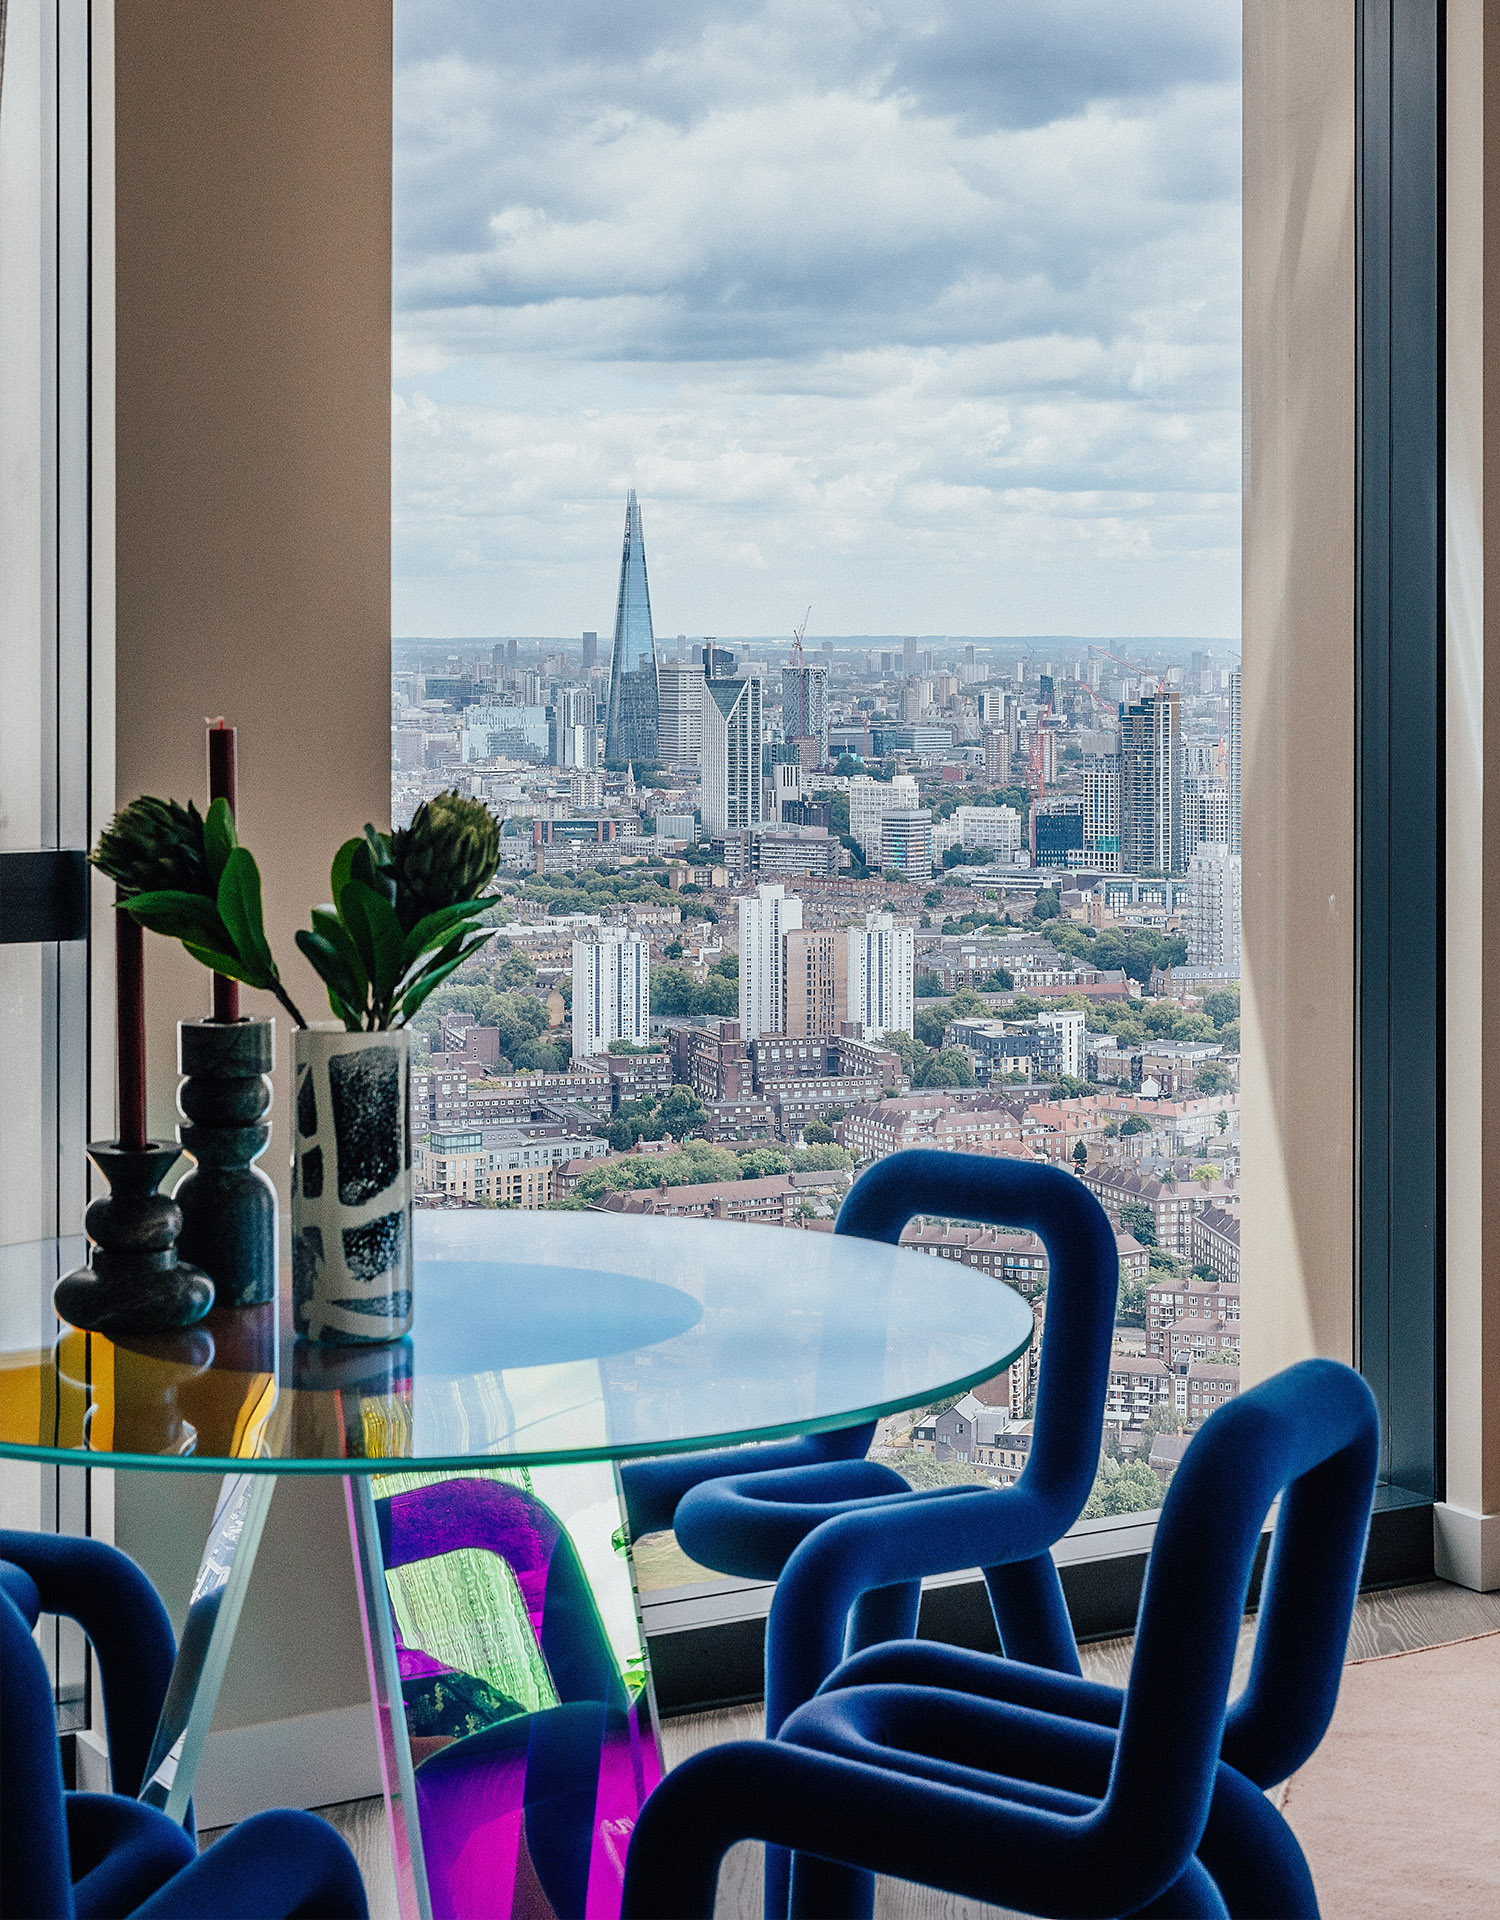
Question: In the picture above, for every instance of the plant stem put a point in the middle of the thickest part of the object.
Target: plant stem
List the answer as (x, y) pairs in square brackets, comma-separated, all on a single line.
[(287, 1001)]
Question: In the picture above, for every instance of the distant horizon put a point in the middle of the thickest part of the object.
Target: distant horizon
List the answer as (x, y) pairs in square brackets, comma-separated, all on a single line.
[(812, 643)]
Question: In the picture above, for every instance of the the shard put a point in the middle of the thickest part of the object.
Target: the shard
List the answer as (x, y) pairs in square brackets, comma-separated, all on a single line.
[(631, 730)]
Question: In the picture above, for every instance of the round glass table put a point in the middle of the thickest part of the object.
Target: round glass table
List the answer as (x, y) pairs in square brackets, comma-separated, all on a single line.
[(503, 1636)]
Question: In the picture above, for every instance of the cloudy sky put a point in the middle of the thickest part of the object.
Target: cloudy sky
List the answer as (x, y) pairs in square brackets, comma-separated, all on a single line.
[(922, 312)]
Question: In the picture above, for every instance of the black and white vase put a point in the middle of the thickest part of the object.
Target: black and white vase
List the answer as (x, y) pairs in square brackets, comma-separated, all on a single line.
[(351, 1186)]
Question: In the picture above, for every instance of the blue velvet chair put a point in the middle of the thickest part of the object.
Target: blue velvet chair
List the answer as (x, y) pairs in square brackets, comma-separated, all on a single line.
[(125, 1622), (1039, 1790), (849, 1540), (105, 1856)]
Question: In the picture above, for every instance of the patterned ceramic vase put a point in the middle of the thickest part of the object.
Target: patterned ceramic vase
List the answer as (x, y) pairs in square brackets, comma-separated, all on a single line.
[(351, 1186)]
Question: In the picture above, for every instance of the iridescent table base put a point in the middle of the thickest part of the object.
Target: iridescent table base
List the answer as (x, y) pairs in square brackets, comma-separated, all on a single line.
[(508, 1669)]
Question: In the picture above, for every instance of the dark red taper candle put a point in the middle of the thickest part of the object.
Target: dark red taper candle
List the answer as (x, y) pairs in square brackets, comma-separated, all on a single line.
[(223, 784), (130, 1020)]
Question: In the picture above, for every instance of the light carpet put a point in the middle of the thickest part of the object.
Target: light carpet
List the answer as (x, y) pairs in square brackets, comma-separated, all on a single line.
[(1398, 1811)]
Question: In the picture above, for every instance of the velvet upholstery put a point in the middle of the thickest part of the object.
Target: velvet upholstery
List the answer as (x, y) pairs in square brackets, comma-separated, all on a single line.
[(126, 1624), (85, 1856), (850, 1556), (1150, 1801)]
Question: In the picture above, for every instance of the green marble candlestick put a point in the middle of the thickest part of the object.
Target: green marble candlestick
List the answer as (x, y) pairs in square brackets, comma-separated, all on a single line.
[(228, 1204)]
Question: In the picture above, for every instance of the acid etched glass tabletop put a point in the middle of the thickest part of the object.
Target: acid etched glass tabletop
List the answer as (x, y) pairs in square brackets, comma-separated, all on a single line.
[(539, 1338)]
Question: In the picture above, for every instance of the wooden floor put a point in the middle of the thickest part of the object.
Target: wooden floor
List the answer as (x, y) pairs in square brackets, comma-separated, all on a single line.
[(1399, 1620)]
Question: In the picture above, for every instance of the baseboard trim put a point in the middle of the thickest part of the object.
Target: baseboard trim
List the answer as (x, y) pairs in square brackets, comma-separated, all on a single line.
[(1466, 1547)]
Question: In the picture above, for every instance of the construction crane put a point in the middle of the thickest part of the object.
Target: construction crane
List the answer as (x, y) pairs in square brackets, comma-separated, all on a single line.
[(1132, 666), (797, 639)]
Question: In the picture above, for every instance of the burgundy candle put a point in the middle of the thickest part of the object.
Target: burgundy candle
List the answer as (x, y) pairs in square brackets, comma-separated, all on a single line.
[(130, 1018), (223, 781)]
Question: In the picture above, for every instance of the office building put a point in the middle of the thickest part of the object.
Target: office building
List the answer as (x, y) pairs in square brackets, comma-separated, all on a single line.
[(869, 801), (731, 787), (718, 662), (1212, 919), (631, 728), (680, 711), (1151, 822), (909, 654), (906, 842), (1057, 828), (817, 982), (804, 706), (506, 733), (995, 830), (766, 917), (572, 737), (880, 976), (590, 652), (611, 991)]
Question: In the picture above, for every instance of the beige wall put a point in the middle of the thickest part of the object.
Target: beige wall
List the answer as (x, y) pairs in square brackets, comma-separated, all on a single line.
[(1473, 802), (253, 542), (1298, 725), (253, 444)]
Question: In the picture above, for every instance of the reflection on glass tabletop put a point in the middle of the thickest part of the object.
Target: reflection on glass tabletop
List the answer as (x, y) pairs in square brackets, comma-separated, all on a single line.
[(538, 1337)]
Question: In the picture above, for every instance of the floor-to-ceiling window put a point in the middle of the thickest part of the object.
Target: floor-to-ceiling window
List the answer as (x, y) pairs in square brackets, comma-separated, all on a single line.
[(852, 396)]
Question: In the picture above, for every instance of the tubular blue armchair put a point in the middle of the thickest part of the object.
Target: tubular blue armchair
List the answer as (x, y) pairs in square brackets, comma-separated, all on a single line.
[(126, 1624), (93, 1856), (1150, 1801), (849, 1548)]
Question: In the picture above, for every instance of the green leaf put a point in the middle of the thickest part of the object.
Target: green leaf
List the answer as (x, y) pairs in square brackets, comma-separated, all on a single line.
[(328, 925), (421, 981), (432, 931), (240, 910), (342, 870), (345, 995), (427, 982), (376, 932), (180, 916), (230, 964), (219, 839)]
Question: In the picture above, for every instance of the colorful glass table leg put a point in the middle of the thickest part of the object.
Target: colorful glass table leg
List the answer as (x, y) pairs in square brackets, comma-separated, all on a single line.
[(509, 1674), (207, 1636)]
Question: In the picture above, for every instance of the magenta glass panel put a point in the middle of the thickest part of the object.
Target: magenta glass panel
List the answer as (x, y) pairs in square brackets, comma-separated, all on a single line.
[(521, 1666)]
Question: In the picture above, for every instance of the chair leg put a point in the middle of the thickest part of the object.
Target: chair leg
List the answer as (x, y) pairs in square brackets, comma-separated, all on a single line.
[(1031, 1614), (884, 1613)]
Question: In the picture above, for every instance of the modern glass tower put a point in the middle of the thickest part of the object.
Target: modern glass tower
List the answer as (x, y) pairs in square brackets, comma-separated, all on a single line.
[(631, 730)]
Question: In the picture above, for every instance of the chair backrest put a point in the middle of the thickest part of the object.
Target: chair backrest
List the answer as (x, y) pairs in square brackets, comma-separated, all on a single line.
[(1082, 1288), (35, 1883), (1312, 1435)]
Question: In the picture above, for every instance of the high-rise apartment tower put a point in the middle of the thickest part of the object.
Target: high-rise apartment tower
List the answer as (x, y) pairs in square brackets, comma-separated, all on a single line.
[(1151, 836), (766, 918), (731, 786), (611, 991), (804, 706), (881, 975)]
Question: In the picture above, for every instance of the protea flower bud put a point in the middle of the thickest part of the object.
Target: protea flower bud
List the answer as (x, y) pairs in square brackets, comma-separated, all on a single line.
[(151, 844), (449, 853)]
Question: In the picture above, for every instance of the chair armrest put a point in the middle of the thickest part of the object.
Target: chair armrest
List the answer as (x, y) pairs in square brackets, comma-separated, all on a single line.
[(970, 1844), (901, 1539), (127, 1625)]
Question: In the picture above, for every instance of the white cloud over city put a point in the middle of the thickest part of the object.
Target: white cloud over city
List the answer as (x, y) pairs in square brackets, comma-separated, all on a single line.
[(927, 315)]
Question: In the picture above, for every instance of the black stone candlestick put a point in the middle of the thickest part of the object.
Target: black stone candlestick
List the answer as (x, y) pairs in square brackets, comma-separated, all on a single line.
[(134, 1282), (228, 1205)]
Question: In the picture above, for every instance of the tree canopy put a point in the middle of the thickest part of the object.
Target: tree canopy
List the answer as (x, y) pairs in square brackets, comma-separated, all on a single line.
[(1138, 1220)]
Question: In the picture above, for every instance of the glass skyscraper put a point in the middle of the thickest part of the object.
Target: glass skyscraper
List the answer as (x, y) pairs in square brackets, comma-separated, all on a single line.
[(632, 726)]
